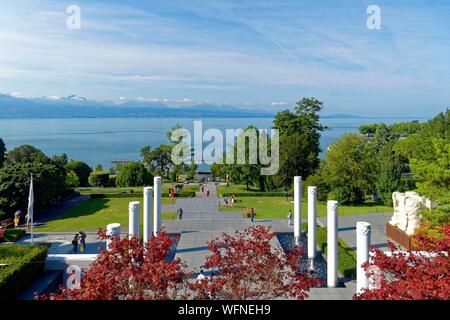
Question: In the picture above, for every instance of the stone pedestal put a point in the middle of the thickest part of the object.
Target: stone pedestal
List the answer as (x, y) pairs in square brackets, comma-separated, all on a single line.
[(332, 244), (157, 205), (312, 216), (134, 212), (148, 208), (112, 230), (297, 209), (363, 233)]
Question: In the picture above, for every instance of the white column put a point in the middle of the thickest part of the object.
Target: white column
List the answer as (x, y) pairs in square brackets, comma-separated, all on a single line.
[(363, 232), (332, 244), (112, 229), (148, 208), (157, 209), (312, 216), (297, 208), (134, 212)]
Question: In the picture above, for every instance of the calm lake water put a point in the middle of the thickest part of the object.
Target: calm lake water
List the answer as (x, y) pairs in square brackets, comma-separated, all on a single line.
[(100, 141)]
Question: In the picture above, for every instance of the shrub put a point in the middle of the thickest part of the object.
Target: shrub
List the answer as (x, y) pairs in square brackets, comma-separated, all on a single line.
[(13, 235), (25, 265), (99, 179), (72, 180), (3, 215), (81, 169)]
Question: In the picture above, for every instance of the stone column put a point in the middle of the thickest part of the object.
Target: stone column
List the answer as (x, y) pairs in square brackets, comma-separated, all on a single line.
[(312, 216), (363, 233), (332, 243), (148, 208), (134, 212), (297, 209), (112, 229), (157, 209)]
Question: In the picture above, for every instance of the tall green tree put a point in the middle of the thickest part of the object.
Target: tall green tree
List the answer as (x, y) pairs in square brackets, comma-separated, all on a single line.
[(2, 152), (300, 133), (158, 159), (26, 154), (349, 169), (82, 170)]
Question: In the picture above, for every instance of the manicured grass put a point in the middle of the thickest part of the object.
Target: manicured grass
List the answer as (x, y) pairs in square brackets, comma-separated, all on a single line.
[(347, 256), (278, 207), (13, 235), (96, 213)]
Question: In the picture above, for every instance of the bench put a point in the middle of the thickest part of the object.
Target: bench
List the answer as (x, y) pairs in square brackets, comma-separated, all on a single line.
[(5, 224)]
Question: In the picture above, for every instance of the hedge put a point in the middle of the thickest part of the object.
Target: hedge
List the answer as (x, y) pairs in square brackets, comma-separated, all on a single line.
[(252, 194), (182, 194), (13, 235), (26, 264), (346, 256)]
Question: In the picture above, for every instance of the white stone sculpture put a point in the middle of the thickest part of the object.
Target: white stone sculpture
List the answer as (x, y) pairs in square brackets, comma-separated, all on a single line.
[(332, 243), (312, 216), (148, 208), (297, 209), (407, 209), (157, 205), (363, 232), (112, 230)]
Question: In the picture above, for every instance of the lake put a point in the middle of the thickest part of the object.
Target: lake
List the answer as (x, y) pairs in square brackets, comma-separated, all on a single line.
[(100, 140)]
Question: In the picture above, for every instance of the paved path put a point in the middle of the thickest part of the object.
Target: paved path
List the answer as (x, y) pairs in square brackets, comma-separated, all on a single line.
[(203, 222)]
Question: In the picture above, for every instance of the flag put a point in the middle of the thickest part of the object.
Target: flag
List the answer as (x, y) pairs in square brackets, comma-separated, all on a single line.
[(30, 207)]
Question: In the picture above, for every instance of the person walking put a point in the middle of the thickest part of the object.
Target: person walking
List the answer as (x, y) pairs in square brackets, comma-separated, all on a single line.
[(180, 213), (232, 201), (17, 216), (207, 192), (75, 243), (83, 237), (252, 214), (201, 276), (289, 216)]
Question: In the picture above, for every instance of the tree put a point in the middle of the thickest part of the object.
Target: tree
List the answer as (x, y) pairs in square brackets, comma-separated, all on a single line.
[(349, 169), (130, 270), (422, 274), (301, 130), (72, 180), (434, 175), (60, 160), (133, 174), (251, 268), (2, 152), (99, 167), (49, 185), (82, 170), (159, 159), (99, 179), (26, 154)]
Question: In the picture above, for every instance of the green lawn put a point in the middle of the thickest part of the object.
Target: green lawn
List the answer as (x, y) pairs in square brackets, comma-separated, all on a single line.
[(95, 213), (278, 207), (239, 189)]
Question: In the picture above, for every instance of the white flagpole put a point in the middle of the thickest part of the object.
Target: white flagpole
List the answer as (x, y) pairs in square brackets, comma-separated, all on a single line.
[(30, 207)]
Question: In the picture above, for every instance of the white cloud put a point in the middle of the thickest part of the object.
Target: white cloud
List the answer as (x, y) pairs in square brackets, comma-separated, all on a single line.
[(277, 104)]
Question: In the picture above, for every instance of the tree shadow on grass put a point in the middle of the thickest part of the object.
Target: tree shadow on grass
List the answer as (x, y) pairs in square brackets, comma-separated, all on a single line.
[(87, 208)]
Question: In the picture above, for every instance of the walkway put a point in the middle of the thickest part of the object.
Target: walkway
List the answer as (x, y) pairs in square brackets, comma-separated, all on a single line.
[(203, 222)]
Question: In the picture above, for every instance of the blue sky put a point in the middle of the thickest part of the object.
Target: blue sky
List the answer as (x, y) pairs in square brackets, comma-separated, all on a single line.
[(252, 54)]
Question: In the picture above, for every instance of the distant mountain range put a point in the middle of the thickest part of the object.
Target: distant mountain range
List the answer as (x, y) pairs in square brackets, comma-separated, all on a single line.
[(73, 106)]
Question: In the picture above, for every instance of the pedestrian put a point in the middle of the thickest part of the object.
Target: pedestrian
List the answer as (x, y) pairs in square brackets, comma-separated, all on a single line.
[(201, 276), (83, 237), (180, 213), (207, 192), (203, 189), (17, 216), (75, 243), (27, 220), (226, 201), (232, 201), (252, 214), (289, 216)]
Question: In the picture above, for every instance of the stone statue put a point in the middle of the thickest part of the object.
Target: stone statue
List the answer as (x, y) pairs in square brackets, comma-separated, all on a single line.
[(407, 208)]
